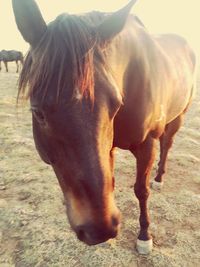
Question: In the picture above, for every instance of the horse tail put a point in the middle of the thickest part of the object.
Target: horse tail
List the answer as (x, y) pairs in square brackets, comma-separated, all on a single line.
[(194, 60), (194, 63)]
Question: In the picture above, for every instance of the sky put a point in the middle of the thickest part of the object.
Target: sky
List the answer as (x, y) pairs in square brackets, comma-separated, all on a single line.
[(159, 16)]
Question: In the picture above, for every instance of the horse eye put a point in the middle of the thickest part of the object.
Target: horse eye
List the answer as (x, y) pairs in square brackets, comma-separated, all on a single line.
[(39, 116)]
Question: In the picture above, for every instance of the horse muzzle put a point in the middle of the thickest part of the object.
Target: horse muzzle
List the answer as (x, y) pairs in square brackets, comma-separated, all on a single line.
[(92, 234)]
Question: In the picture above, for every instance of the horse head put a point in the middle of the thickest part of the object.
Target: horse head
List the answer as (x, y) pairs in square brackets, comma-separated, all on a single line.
[(74, 100)]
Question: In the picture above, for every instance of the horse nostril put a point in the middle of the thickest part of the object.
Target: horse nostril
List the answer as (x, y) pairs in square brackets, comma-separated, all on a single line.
[(81, 234), (115, 221)]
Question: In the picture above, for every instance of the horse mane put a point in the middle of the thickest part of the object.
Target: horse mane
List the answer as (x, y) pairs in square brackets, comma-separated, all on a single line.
[(65, 49), (64, 57)]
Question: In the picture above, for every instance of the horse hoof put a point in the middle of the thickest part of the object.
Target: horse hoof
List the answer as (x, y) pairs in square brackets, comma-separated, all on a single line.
[(157, 186), (144, 247)]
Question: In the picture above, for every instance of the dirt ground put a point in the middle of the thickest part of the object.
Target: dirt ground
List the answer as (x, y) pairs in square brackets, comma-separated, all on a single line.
[(33, 227)]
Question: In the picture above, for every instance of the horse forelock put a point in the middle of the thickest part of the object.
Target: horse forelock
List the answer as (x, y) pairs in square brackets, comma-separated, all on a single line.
[(63, 57)]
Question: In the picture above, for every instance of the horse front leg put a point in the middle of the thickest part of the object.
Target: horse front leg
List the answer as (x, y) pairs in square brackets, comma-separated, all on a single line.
[(166, 141), (145, 155), (6, 66)]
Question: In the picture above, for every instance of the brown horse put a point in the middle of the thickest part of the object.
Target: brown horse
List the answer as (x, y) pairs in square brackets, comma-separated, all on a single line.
[(99, 81), (11, 55)]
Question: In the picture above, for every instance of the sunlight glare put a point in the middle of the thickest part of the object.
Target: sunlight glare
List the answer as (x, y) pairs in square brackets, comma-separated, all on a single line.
[(159, 16)]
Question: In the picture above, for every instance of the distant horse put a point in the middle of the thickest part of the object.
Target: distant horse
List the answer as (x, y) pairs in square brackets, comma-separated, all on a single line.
[(11, 55), (99, 81)]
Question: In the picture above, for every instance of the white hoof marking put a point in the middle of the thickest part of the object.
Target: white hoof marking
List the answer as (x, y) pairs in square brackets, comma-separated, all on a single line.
[(156, 185), (144, 247)]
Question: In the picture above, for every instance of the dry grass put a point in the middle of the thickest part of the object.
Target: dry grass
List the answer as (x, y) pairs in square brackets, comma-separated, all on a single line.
[(33, 227)]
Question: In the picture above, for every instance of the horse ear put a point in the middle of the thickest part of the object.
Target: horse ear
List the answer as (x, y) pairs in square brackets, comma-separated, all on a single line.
[(29, 20), (114, 23)]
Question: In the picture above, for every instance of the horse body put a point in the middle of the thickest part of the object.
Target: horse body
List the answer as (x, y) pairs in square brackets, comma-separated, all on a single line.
[(157, 83), (9, 56), (108, 84)]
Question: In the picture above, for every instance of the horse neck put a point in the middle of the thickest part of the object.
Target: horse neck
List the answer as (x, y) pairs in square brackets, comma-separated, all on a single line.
[(125, 49)]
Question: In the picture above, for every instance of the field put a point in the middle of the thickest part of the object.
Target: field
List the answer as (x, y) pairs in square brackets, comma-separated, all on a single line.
[(34, 230)]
